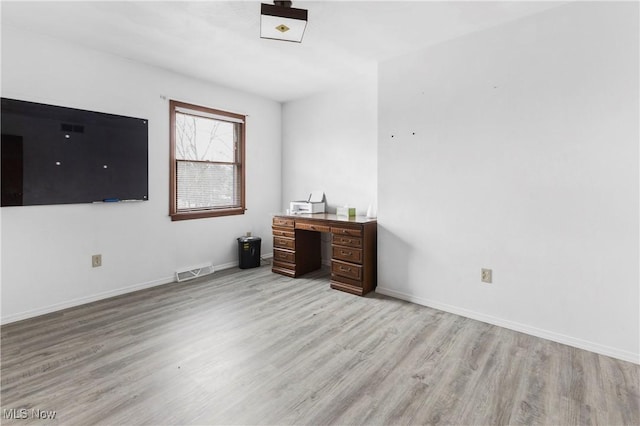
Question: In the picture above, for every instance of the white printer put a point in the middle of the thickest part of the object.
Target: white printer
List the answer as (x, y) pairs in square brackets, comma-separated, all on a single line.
[(313, 204)]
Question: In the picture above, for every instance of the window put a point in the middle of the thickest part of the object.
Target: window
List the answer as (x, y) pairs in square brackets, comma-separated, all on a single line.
[(207, 162)]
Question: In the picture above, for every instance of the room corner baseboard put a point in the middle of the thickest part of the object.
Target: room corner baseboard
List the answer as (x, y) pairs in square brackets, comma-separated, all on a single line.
[(515, 326)]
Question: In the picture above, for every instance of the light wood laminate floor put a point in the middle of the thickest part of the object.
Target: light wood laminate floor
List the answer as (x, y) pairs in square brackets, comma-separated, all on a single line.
[(253, 347)]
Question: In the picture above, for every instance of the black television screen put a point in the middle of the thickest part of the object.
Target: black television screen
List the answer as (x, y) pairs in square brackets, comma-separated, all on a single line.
[(57, 155)]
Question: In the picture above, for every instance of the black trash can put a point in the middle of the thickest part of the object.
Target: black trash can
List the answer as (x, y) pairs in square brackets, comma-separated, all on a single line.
[(249, 252)]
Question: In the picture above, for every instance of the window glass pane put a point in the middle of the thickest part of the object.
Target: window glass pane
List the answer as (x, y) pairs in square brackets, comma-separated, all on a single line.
[(205, 185), (204, 139)]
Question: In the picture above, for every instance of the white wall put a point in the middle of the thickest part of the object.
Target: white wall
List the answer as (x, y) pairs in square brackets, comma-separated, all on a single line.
[(329, 142), (524, 160), (46, 250)]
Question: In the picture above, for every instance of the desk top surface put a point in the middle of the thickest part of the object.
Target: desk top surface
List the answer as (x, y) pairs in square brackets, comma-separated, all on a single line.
[(330, 216)]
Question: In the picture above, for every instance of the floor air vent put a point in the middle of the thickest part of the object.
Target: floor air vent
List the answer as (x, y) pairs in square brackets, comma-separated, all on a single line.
[(194, 272)]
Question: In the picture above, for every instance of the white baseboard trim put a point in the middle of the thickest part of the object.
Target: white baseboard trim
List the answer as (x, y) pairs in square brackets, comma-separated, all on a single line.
[(224, 266), (511, 325), (104, 295), (84, 300)]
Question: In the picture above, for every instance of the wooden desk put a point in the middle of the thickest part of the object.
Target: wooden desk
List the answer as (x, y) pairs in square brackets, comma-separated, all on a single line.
[(296, 249)]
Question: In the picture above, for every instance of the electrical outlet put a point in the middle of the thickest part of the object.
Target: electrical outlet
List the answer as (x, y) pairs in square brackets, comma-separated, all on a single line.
[(486, 275), (96, 260)]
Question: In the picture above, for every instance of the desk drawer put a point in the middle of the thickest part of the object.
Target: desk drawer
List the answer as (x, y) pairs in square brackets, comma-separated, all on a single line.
[(351, 232), (300, 224), (283, 221), (346, 253), (283, 242), (343, 240), (284, 268), (283, 232), (348, 270), (284, 255)]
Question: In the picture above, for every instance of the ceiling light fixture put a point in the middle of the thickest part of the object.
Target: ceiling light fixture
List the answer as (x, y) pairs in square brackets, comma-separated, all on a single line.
[(280, 21)]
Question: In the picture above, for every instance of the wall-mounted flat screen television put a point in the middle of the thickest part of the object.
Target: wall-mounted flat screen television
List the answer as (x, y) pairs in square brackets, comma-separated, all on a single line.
[(56, 155)]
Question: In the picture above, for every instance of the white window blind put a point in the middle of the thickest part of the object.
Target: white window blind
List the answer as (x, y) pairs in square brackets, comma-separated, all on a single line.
[(204, 185)]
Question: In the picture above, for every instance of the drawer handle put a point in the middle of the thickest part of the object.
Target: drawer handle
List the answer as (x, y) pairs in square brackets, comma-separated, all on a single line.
[(345, 270), (345, 253), (312, 227)]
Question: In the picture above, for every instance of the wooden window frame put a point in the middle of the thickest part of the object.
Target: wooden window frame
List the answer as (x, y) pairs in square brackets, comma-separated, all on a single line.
[(173, 185)]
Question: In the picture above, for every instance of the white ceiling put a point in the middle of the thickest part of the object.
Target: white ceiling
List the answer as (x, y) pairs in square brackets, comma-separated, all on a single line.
[(218, 41)]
